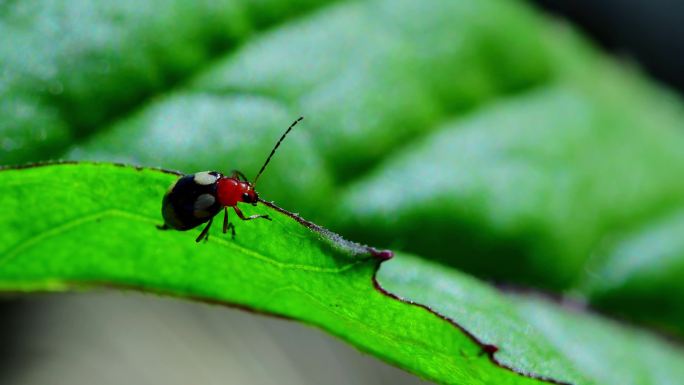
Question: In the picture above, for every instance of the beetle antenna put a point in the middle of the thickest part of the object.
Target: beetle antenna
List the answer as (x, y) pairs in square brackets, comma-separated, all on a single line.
[(275, 148)]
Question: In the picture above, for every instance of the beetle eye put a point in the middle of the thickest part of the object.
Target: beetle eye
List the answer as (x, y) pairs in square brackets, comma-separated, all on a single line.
[(245, 197)]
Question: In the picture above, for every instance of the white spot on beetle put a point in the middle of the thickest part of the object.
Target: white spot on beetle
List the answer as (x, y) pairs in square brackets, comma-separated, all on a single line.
[(201, 205), (204, 201), (205, 178)]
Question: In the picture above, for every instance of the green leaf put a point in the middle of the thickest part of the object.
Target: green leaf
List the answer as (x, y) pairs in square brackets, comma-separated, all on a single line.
[(534, 186), (71, 67), (75, 226), (83, 225), (638, 275), (545, 177), (562, 168), (534, 335)]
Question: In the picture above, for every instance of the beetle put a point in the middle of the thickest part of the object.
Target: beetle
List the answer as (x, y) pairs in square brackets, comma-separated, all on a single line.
[(197, 198)]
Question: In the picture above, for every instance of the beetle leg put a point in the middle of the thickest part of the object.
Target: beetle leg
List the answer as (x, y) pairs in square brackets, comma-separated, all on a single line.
[(205, 233), (249, 218), (225, 220), (163, 227), (227, 225), (232, 230)]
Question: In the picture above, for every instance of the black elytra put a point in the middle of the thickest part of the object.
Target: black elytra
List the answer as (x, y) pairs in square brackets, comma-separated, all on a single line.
[(188, 203)]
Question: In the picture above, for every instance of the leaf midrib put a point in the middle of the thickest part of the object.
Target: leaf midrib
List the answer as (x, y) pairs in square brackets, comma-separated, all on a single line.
[(27, 243)]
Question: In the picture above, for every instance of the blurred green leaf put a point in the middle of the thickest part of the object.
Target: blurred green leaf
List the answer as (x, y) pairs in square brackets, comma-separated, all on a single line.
[(525, 188), (76, 226), (639, 274), (68, 68)]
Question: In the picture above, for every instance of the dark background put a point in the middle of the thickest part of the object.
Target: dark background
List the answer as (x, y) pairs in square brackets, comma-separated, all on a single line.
[(650, 32)]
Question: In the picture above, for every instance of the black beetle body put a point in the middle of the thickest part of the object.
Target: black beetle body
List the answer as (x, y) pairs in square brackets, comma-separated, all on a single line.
[(191, 201)]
